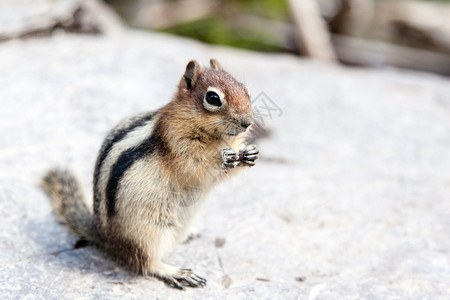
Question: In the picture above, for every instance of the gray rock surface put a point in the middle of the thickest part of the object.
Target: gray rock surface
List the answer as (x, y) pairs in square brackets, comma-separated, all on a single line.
[(350, 199)]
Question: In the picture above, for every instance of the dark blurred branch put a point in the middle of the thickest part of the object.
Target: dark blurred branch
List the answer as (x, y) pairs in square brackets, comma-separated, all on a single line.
[(353, 17), (414, 23), (76, 16)]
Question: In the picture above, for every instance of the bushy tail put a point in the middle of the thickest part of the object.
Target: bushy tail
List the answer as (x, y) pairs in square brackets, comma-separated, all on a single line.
[(68, 201)]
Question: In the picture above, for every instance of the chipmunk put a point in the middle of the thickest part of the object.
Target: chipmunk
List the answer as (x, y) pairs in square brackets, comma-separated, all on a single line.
[(154, 170)]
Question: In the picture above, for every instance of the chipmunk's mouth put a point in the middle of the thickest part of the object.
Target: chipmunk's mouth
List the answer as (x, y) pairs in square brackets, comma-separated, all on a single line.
[(235, 129), (233, 133)]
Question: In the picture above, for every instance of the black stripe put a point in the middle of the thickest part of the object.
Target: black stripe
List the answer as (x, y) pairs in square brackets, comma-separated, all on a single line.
[(117, 137), (124, 162)]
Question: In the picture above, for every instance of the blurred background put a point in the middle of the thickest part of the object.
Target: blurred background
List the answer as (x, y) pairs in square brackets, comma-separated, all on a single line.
[(350, 197), (412, 34)]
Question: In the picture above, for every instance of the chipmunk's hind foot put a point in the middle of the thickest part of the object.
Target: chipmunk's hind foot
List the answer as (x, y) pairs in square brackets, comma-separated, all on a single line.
[(183, 278)]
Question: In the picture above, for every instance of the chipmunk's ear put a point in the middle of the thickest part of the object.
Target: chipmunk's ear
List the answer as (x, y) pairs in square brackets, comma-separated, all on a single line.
[(191, 74), (215, 64)]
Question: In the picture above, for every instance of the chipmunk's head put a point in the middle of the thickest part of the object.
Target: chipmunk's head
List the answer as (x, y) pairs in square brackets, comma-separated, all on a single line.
[(222, 103)]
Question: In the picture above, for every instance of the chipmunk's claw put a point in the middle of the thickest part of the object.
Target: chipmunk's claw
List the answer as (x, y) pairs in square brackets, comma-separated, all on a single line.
[(230, 157), (249, 156)]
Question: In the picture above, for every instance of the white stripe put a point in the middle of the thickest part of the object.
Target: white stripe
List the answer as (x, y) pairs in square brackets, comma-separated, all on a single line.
[(132, 139)]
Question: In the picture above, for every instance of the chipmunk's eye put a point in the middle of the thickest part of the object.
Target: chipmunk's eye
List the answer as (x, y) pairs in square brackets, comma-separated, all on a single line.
[(213, 99)]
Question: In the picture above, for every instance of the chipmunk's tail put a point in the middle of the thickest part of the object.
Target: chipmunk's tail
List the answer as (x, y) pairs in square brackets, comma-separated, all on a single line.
[(69, 203)]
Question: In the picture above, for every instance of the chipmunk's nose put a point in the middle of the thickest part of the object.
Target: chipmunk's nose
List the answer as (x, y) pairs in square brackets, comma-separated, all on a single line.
[(245, 123)]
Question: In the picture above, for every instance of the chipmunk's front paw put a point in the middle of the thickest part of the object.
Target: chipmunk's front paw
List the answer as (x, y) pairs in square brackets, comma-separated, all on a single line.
[(230, 157), (249, 156)]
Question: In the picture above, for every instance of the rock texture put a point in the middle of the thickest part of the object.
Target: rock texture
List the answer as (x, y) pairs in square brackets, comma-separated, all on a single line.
[(350, 199)]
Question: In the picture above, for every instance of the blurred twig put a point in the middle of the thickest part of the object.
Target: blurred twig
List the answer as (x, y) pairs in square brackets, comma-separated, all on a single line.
[(311, 30), (357, 51)]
